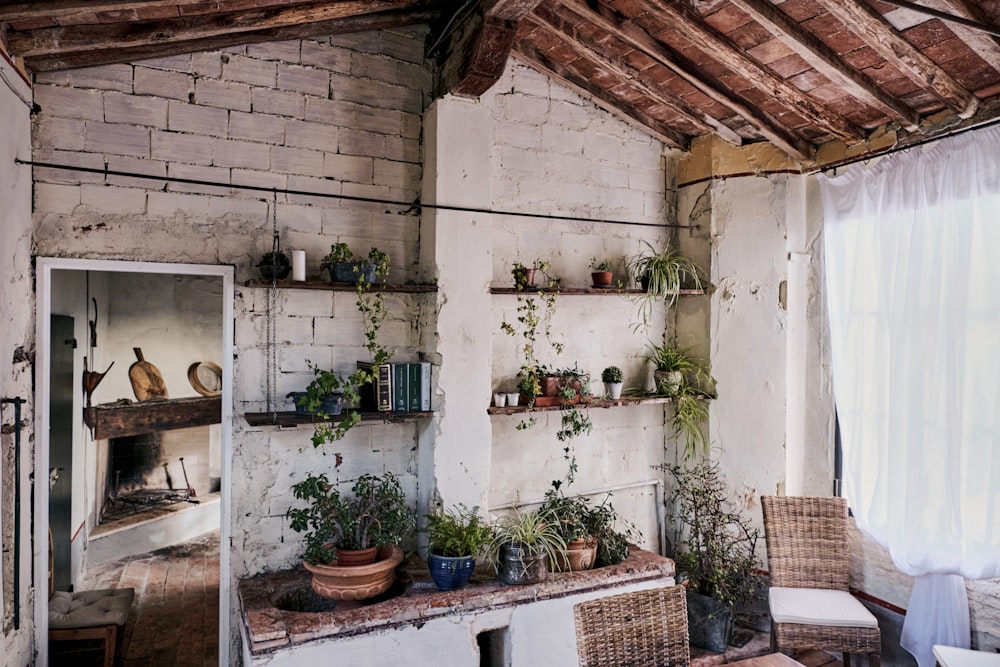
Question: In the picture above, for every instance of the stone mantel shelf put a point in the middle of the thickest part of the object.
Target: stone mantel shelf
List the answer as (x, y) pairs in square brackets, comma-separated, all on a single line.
[(271, 628), (292, 418), (316, 284), (596, 403), (121, 420)]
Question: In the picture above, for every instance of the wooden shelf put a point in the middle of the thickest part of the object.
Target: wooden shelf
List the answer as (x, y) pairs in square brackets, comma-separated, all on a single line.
[(292, 418), (587, 291), (113, 420), (624, 401), (405, 288)]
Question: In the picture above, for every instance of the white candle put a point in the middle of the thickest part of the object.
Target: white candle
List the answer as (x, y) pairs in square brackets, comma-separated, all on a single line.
[(298, 265)]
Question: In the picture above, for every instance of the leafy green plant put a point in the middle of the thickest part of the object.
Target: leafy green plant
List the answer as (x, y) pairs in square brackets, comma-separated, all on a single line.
[(534, 532), (714, 542), (339, 252), (689, 387), (377, 514), (599, 265), (371, 304), (459, 531), (663, 273), (612, 374)]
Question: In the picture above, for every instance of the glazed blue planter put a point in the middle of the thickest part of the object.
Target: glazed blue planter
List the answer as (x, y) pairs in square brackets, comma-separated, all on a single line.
[(450, 573), (331, 406), (350, 272)]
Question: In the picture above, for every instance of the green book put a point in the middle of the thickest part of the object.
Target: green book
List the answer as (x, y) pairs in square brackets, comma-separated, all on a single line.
[(400, 388), (413, 383)]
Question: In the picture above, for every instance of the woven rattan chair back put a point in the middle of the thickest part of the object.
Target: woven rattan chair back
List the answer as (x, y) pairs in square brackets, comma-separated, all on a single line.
[(644, 628), (806, 541)]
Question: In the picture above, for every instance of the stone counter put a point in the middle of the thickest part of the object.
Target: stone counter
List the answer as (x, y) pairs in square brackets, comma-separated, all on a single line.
[(273, 629)]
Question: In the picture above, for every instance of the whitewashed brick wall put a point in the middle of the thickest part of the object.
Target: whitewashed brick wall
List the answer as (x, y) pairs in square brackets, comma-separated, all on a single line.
[(338, 116)]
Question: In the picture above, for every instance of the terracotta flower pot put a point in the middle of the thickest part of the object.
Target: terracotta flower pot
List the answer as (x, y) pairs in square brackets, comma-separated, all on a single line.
[(579, 555), (602, 278), (356, 557), (358, 582)]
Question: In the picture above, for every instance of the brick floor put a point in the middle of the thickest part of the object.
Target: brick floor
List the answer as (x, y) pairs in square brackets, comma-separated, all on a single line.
[(175, 618)]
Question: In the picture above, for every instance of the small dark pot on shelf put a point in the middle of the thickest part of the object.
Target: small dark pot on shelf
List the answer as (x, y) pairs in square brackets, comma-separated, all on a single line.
[(331, 405), (274, 266), (602, 278), (450, 573)]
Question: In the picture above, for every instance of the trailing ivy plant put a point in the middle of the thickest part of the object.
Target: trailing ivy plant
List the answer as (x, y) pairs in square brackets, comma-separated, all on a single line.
[(371, 304)]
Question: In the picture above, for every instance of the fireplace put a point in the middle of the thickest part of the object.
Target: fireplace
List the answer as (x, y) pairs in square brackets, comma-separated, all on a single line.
[(150, 471)]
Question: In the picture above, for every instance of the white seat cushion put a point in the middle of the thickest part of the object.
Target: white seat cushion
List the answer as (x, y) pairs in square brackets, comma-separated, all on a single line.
[(818, 606), (87, 609)]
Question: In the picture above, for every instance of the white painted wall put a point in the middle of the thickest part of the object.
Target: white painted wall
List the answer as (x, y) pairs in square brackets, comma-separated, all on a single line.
[(16, 341)]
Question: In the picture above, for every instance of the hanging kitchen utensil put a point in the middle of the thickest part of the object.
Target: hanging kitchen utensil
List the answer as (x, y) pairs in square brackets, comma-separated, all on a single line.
[(147, 383), (91, 379)]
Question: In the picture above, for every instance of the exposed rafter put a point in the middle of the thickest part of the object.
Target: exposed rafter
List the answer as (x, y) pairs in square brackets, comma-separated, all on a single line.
[(712, 42), (826, 61), (642, 41), (910, 61), (643, 82), (103, 53), (478, 43)]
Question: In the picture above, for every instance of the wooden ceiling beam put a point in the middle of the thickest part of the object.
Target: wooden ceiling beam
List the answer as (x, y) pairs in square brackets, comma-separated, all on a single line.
[(641, 81), (635, 36), (75, 39), (111, 53), (601, 97), (478, 43), (716, 45), (870, 26), (826, 61)]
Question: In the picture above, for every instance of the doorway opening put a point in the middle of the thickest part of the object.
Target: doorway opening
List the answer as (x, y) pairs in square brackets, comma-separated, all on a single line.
[(138, 452)]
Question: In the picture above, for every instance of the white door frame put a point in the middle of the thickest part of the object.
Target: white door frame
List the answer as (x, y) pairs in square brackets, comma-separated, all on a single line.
[(43, 309)]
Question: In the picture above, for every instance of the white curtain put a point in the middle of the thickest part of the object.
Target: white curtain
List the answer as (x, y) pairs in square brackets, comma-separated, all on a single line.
[(913, 288)]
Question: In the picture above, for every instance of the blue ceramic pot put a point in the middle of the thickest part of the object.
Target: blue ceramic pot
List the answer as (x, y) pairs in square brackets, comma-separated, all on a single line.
[(450, 573), (350, 272), (332, 405)]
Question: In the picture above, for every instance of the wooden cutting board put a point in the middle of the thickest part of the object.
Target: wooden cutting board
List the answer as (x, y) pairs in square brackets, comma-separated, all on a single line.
[(147, 383)]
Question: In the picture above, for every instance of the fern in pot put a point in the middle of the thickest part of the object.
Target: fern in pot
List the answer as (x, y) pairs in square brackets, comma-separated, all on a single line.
[(456, 537)]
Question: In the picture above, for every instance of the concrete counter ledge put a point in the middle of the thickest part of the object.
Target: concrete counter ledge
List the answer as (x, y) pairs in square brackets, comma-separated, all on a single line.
[(282, 616)]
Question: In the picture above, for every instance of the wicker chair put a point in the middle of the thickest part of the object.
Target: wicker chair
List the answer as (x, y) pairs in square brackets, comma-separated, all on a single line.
[(644, 628), (807, 555)]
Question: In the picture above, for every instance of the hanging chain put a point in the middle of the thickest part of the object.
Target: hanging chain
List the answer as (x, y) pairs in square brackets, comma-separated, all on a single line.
[(272, 298)]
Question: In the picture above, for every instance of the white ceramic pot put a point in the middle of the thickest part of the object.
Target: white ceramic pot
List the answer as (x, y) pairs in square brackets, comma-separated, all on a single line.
[(499, 400), (613, 390), (513, 399)]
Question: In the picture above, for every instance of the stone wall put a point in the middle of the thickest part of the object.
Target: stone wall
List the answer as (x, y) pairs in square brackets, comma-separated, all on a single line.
[(17, 347)]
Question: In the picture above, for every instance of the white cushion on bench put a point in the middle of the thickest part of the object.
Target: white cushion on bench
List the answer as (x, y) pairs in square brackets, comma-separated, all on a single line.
[(819, 606), (88, 609)]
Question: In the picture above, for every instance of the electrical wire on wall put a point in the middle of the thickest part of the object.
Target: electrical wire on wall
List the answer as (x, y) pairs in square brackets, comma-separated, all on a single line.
[(408, 208)]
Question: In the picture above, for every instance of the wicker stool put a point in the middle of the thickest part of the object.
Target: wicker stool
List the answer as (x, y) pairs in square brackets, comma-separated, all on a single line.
[(91, 615)]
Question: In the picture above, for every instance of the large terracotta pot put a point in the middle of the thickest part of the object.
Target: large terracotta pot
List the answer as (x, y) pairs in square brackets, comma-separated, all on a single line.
[(358, 582)]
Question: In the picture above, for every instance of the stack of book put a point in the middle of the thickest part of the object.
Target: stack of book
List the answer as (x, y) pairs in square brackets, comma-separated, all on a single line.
[(399, 387)]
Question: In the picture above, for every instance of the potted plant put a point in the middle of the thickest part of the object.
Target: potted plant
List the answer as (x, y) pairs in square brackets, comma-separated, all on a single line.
[(682, 376), (612, 379), (360, 533), (523, 544), (600, 273), (573, 523), (662, 275), (714, 547), (344, 267), (455, 538), (274, 265)]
